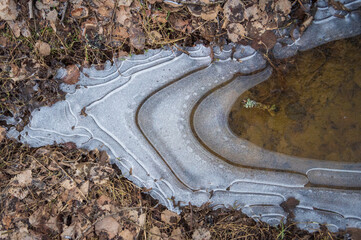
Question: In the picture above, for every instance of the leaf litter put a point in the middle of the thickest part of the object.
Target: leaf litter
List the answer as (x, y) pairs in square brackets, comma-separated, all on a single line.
[(61, 192)]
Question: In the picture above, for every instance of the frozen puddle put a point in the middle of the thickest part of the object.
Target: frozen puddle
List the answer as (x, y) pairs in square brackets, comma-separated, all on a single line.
[(163, 119)]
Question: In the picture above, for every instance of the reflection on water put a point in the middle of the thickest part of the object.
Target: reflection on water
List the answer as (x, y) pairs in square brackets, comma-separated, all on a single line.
[(317, 106)]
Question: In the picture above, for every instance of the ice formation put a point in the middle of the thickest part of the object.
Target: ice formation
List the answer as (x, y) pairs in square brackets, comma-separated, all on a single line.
[(162, 117)]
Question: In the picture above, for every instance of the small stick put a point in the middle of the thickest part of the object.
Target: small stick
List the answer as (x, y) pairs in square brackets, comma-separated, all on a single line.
[(31, 13), (64, 11)]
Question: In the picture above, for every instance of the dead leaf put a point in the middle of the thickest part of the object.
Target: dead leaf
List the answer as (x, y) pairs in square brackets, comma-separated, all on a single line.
[(142, 218), (179, 23), (234, 11), (3, 42), (52, 17), (68, 184), (170, 217), (108, 225), (158, 16), (236, 32), (120, 33), (8, 10), (283, 6), (103, 200), (137, 38), (123, 15), (210, 12), (154, 37), (24, 29), (207, 13), (2, 133), (80, 12), (84, 188), (18, 192), (127, 235), (252, 13), (105, 12), (201, 234), (176, 234), (43, 48), (155, 1), (155, 233), (41, 218), (72, 75), (15, 28), (171, 6), (126, 3), (23, 179)]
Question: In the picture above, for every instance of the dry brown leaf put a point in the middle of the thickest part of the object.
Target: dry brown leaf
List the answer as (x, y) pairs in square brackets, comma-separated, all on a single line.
[(70, 232), (84, 188), (252, 13), (3, 42), (127, 235), (179, 24), (72, 75), (68, 184), (80, 12), (154, 37), (137, 38), (283, 6), (2, 133), (15, 28), (176, 234), (23, 179), (126, 3), (8, 10), (155, 1), (123, 15), (105, 12), (141, 219), (207, 13), (170, 217), (103, 200), (234, 11), (235, 32), (52, 16), (158, 16), (120, 33), (24, 29), (106, 3), (18, 192), (154, 233), (43, 48), (17, 73), (201, 234), (108, 225)]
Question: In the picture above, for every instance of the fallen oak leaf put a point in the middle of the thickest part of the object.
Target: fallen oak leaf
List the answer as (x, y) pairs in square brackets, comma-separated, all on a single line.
[(42, 48), (8, 10), (72, 75)]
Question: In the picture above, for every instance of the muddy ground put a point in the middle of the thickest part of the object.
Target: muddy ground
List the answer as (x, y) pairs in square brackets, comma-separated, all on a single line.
[(61, 192)]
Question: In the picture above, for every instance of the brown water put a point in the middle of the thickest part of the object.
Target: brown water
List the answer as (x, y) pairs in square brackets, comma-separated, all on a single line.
[(318, 106)]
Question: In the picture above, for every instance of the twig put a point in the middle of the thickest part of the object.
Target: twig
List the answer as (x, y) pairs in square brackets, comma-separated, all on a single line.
[(31, 13), (64, 11)]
